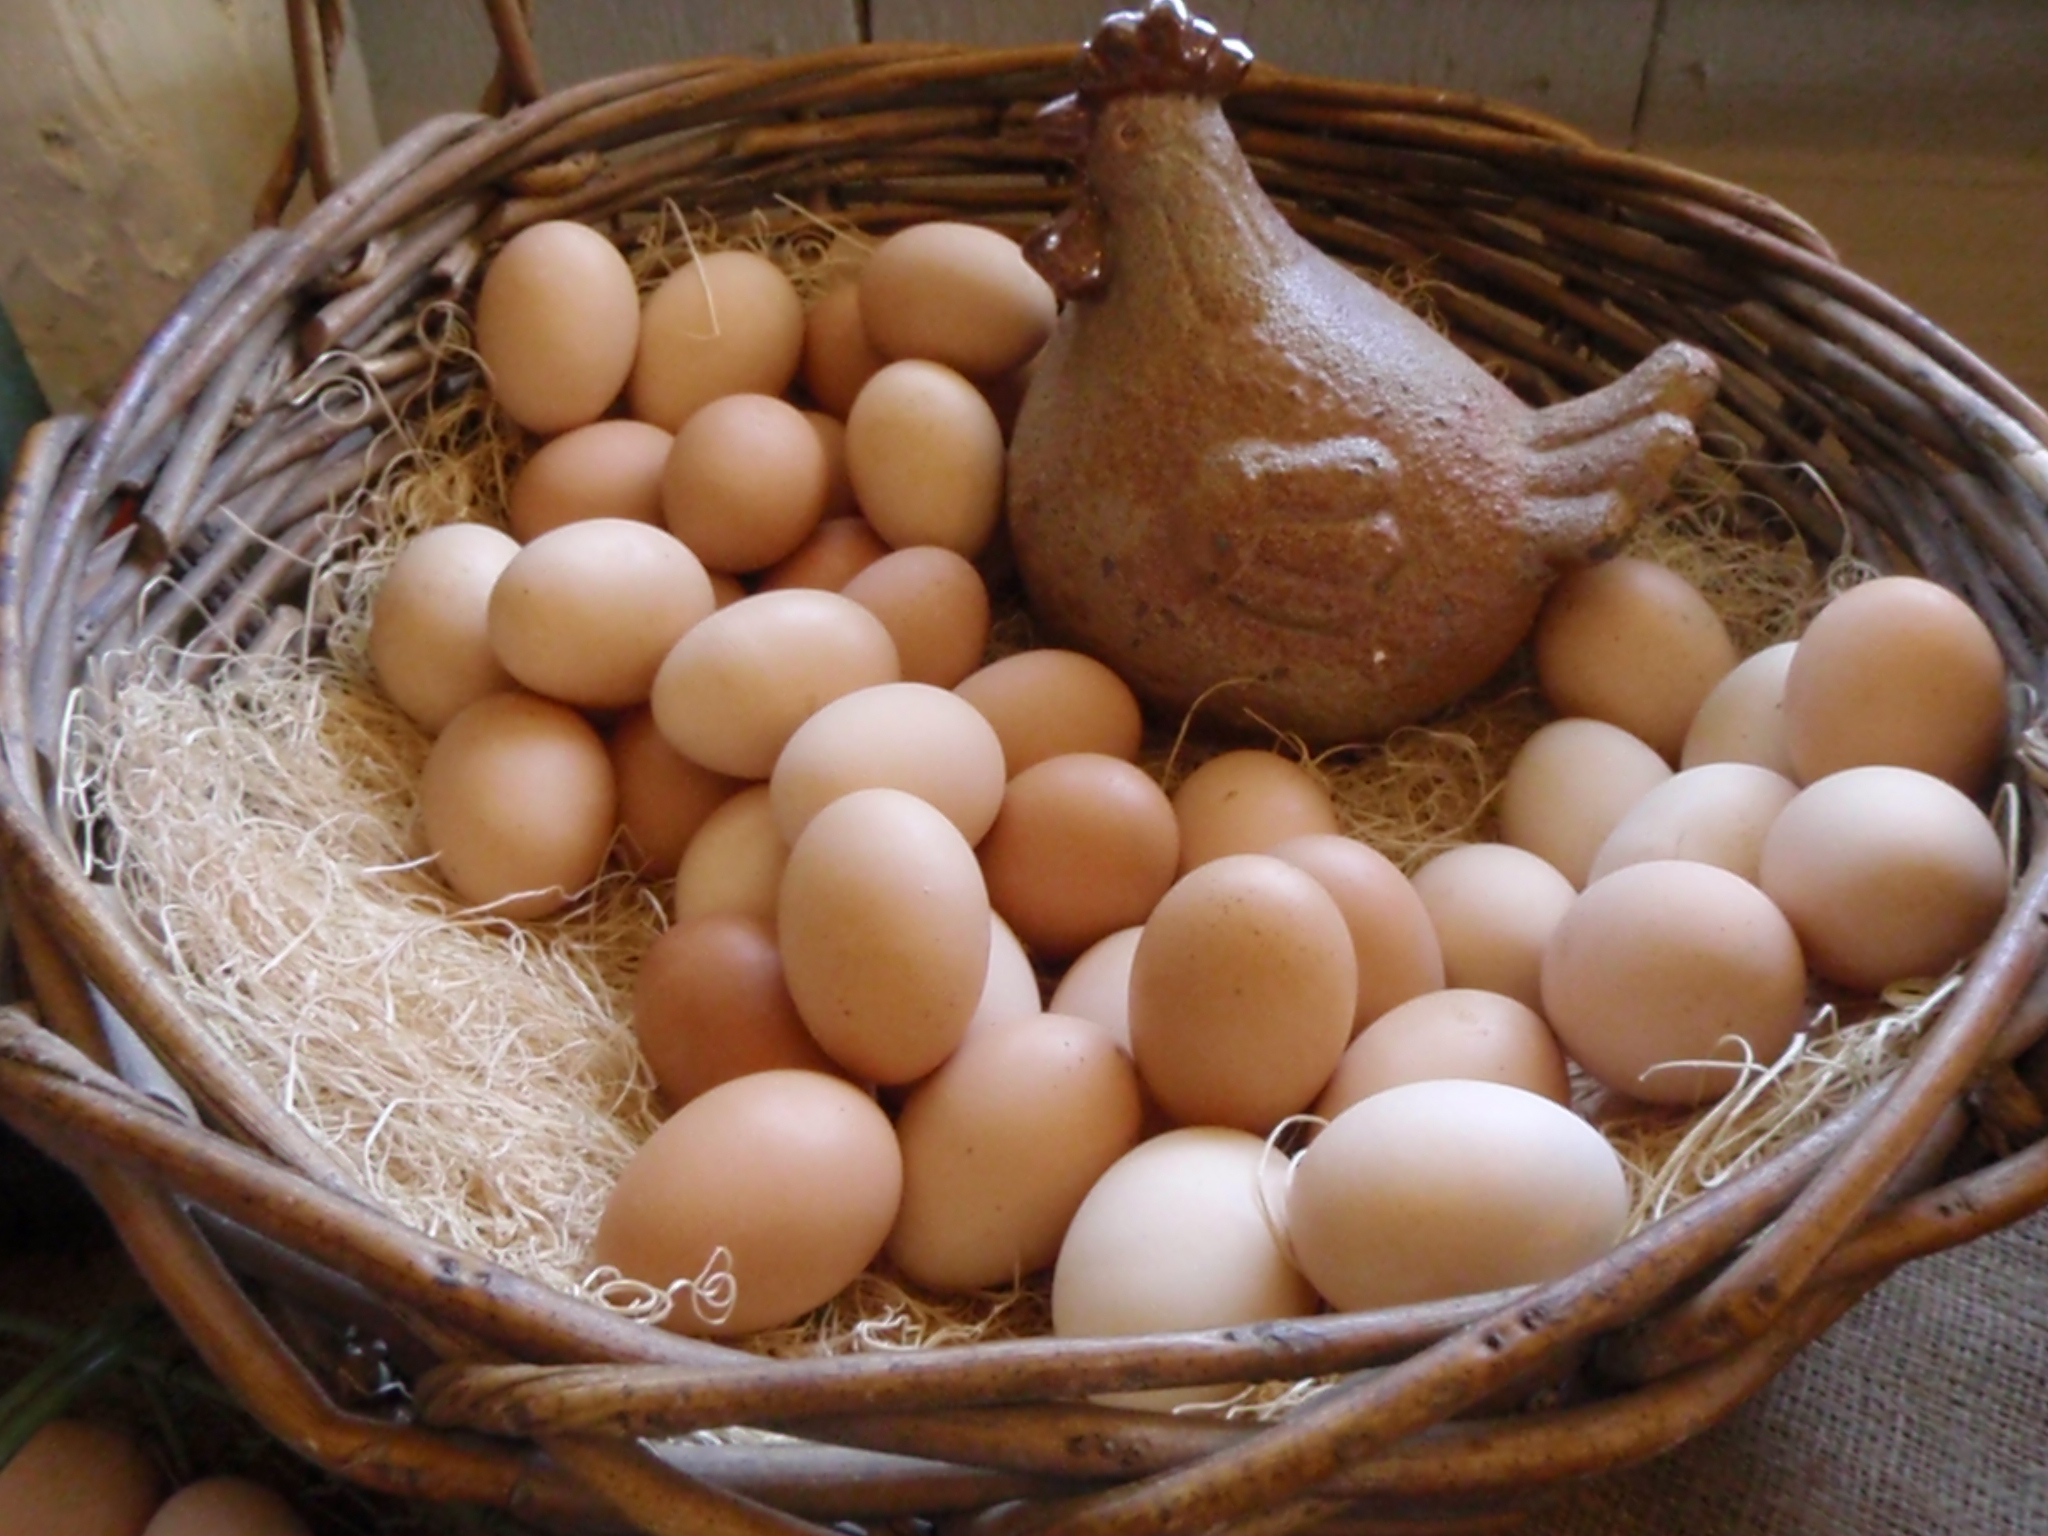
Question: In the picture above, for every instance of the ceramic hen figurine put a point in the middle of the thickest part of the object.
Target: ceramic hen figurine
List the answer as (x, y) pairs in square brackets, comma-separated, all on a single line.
[(1238, 462)]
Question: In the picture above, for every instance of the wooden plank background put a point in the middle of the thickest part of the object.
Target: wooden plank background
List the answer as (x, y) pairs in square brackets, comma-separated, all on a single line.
[(1914, 134), (134, 138)]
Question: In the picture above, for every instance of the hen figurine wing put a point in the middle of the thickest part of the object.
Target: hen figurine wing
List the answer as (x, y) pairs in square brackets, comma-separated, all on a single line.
[(1305, 525), (1271, 525)]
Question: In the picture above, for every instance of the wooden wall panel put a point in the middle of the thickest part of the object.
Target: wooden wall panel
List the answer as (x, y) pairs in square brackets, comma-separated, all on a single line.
[(1852, 76), (134, 139), (1960, 238), (432, 56), (1914, 135), (1581, 60)]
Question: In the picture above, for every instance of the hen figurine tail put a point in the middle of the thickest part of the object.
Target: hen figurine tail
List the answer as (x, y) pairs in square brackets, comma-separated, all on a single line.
[(1594, 463)]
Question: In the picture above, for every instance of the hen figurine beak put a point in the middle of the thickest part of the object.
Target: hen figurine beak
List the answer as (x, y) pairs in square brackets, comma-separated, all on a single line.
[(1065, 126)]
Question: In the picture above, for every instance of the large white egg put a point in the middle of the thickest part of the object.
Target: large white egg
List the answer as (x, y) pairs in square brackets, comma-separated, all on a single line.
[(1178, 1234), (1440, 1189)]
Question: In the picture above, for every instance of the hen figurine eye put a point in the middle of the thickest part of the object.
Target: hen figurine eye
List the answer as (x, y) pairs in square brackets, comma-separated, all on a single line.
[(1243, 471)]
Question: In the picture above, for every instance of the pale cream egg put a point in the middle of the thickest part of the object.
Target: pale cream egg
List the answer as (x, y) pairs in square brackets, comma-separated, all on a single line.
[(1743, 719), (1180, 1233), (1432, 1190), (1718, 813)]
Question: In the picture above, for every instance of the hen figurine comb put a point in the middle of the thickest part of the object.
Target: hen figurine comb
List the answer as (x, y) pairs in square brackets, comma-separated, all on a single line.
[(1242, 468)]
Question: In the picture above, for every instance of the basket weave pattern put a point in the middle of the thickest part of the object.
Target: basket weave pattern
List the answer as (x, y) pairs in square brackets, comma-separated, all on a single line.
[(1557, 262)]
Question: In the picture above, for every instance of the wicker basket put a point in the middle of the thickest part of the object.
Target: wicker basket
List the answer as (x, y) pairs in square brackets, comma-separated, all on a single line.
[(1570, 262)]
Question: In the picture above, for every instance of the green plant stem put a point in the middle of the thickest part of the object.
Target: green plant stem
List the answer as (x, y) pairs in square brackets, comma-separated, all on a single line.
[(131, 1338)]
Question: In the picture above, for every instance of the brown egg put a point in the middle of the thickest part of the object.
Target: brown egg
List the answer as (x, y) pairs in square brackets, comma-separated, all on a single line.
[(1249, 801), (557, 323), (1632, 643), (1569, 787), (838, 357), (607, 469), (1440, 1189), (518, 805), (1897, 672), (781, 1185), (710, 1004), (664, 797), (73, 1478), (735, 688), (1180, 1233), (1493, 908), (908, 736), (1661, 970), (1716, 814), (1047, 702), (883, 922), (587, 613), (734, 863), (831, 435), (1456, 1033), (1743, 719), (1002, 1143), (926, 458), (1085, 844), (1097, 986), (1242, 992), (430, 642), (746, 482), (934, 605), (1391, 933), (958, 294), (838, 550), (1886, 873), (226, 1506), (728, 323), (726, 590)]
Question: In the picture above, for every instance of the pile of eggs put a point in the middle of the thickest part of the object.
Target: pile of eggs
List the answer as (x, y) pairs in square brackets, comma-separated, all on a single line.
[(76, 1477), (740, 643)]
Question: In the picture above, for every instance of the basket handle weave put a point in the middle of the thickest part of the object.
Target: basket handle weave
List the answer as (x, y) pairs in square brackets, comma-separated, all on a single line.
[(318, 31)]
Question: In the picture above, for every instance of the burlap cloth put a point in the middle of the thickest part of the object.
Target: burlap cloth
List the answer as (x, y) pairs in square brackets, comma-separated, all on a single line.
[(1924, 1412)]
